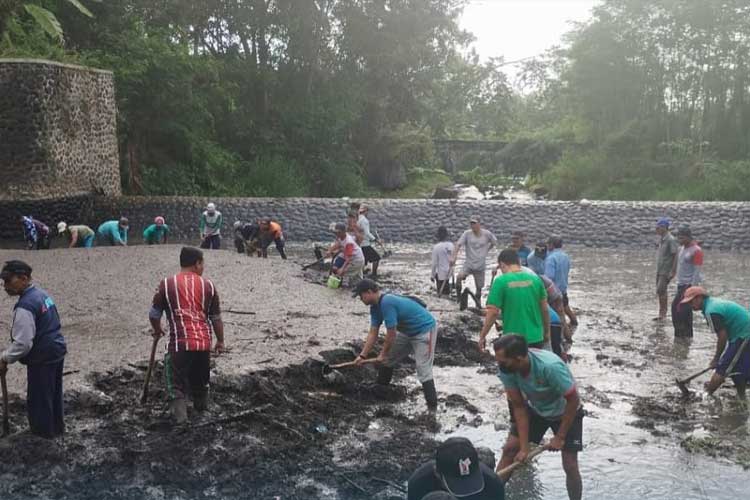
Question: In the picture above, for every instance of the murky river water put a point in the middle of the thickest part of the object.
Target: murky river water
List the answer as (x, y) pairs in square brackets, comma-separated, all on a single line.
[(619, 354)]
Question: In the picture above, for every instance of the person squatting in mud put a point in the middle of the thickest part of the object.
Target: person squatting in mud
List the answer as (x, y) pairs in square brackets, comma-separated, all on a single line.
[(521, 297), (542, 394), (156, 233), (191, 303), (456, 471), (35, 233), (410, 328), (37, 342), (731, 324), (349, 261)]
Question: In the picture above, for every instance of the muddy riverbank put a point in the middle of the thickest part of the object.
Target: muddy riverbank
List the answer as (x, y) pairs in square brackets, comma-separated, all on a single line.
[(277, 428)]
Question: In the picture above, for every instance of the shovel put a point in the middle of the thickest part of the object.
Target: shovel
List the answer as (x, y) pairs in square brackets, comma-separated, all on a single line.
[(682, 384), (532, 454), (386, 253), (6, 422), (349, 364), (144, 395)]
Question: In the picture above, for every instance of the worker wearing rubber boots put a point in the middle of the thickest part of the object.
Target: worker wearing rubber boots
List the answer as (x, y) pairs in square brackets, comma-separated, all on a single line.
[(731, 324), (193, 311), (37, 342), (410, 329)]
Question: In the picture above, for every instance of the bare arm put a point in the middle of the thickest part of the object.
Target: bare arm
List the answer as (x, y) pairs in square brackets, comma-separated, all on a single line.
[(372, 337), (572, 402), (521, 415), (491, 315), (721, 344), (73, 239)]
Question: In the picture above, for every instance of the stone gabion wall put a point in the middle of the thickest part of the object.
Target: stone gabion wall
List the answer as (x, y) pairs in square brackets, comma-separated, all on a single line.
[(723, 226), (58, 131)]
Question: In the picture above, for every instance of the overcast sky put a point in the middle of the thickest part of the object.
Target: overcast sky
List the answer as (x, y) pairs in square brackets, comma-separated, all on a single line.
[(516, 29)]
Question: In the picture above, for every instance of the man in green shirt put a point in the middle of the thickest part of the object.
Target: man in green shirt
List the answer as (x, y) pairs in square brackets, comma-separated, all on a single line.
[(78, 236), (731, 324), (522, 299)]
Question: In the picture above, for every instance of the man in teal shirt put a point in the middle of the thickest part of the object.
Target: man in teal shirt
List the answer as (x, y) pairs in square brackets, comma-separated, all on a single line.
[(156, 233), (731, 324), (410, 329), (114, 232), (542, 394)]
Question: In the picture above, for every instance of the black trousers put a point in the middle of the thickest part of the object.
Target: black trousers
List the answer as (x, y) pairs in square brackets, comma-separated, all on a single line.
[(682, 314), (44, 399), (187, 373), (212, 242)]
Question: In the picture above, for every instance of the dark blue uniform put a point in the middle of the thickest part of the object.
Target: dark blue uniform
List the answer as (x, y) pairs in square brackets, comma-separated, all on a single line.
[(44, 364)]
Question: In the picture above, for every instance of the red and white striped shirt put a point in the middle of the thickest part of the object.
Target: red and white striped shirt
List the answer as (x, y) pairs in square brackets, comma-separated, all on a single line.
[(190, 302)]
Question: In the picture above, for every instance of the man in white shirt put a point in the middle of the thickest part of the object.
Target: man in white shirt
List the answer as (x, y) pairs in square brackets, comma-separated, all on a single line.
[(441, 261), (371, 255)]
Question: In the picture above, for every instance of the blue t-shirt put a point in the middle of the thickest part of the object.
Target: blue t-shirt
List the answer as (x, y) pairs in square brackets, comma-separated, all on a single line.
[(535, 263), (547, 384), (402, 313), (557, 268), (113, 232), (554, 319), (523, 254)]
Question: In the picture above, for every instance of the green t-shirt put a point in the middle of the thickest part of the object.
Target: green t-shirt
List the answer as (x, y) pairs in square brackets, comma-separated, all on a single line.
[(549, 381), (517, 295), (735, 318), (154, 233)]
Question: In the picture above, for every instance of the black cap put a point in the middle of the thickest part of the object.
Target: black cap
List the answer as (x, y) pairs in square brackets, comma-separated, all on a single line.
[(15, 267), (340, 226), (457, 462), (364, 286)]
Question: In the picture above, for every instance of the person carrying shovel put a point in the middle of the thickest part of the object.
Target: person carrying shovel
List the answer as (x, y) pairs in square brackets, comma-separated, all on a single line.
[(731, 324), (38, 343), (193, 311), (410, 328)]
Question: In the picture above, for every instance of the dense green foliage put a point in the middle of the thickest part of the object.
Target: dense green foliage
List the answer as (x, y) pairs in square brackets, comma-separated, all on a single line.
[(649, 99)]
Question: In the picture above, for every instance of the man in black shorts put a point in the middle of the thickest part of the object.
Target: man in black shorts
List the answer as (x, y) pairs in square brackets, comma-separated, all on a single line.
[(542, 394), (456, 471)]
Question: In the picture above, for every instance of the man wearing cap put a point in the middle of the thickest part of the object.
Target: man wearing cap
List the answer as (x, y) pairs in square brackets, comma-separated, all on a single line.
[(522, 299), (410, 329), (542, 394), (156, 233), (113, 232), (78, 236), (441, 261), (37, 342), (535, 260), (270, 231), (371, 255), (210, 228), (666, 264), (516, 243), (731, 324), (350, 261), (478, 243), (193, 312), (557, 268), (35, 233), (689, 264), (457, 471)]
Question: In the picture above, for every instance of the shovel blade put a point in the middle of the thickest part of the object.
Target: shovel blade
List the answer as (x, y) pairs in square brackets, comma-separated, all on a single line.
[(683, 387)]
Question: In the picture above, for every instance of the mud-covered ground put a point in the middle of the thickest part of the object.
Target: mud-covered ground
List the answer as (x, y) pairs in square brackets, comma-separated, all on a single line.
[(277, 428)]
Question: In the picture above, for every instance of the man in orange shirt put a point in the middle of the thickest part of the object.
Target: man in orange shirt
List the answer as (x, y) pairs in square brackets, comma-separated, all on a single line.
[(271, 231)]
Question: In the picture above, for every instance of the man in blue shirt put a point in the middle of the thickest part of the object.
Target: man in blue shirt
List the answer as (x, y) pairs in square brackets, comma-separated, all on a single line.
[(410, 329), (557, 268), (37, 342), (542, 394), (113, 232)]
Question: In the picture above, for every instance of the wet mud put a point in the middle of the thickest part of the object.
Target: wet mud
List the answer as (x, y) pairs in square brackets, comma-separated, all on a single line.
[(276, 427)]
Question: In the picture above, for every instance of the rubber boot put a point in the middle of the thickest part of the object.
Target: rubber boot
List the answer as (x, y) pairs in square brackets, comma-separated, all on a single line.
[(430, 394), (179, 410), (200, 401), (385, 374)]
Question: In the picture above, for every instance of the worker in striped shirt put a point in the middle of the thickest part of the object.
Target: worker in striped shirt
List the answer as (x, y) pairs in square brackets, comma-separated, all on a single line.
[(191, 304)]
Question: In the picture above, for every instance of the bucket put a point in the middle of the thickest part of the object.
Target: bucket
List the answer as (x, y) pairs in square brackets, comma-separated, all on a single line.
[(334, 281)]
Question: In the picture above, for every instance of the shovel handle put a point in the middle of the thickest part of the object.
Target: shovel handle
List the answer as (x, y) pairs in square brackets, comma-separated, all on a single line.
[(6, 422), (353, 363), (694, 375), (144, 395), (536, 451)]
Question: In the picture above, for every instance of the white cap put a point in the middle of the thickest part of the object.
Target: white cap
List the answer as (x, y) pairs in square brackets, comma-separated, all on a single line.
[(61, 227), (237, 224), (210, 206)]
